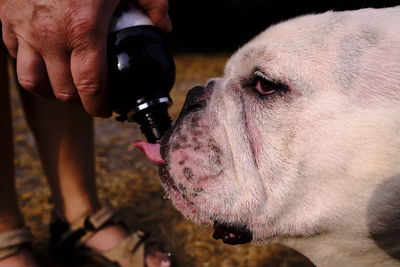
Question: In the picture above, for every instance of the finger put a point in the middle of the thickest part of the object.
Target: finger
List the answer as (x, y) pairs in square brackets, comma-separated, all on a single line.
[(161, 21), (10, 40), (89, 72), (31, 71), (59, 73), (158, 13)]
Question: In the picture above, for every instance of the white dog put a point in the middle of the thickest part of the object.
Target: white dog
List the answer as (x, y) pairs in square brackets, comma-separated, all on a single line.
[(299, 142)]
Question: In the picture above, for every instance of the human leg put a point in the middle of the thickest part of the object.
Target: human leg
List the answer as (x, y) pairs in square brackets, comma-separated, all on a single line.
[(64, 135), (10, 215)]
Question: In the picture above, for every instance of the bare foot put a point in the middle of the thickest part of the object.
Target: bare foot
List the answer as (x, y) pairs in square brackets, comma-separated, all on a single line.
[(110, 236), (21, 259)]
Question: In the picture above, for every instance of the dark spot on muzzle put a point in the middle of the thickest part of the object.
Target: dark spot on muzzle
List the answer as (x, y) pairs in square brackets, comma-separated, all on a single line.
[(196, 99), (188, 173), (232, 234), (166, 178)]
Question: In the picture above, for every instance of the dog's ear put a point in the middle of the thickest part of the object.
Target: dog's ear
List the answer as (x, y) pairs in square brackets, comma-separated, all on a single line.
[(383, 217)]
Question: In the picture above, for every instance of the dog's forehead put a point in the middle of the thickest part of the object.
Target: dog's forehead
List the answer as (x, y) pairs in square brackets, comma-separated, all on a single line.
[(340, 51), (289, 40), (247, 58), (312, 36)]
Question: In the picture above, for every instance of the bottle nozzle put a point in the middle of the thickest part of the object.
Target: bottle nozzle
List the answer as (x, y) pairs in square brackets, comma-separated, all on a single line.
[(154, 122)]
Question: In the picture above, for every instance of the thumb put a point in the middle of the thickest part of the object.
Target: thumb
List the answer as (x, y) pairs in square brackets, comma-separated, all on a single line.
[(162, 21), (158, 13)]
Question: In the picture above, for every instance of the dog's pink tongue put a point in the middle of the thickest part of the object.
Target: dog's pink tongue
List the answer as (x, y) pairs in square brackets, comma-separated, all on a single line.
[(151, 151)]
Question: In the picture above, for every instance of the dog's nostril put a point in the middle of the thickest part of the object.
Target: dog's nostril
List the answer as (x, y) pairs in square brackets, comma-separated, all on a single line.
[(194, 99), (210, 84), (196, 91)]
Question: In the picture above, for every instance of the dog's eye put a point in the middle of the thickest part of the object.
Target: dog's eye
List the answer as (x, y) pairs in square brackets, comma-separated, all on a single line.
[(265, 87)]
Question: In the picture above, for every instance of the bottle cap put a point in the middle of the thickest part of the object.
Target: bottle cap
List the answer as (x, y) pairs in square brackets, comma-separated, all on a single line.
[(127, 15)]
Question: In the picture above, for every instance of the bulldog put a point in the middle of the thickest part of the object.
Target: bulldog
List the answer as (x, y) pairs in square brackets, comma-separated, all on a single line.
[(299, 142)]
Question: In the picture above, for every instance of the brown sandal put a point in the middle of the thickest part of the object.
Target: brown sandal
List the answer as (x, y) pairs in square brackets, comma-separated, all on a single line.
[(12, 242), (67, 241)]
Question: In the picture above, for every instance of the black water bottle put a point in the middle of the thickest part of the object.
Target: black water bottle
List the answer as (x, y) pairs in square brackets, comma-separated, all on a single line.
[(141, 72)]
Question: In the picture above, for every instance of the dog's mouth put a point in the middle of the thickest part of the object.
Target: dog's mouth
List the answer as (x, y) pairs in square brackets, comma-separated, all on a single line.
[(232, 234), (151, 151), (153, 154)]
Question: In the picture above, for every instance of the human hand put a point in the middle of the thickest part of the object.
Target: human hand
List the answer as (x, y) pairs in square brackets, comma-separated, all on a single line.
[(158, 13), (61, 46)]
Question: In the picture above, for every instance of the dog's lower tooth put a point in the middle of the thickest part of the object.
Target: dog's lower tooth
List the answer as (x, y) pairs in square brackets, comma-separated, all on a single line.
[(166, 197)]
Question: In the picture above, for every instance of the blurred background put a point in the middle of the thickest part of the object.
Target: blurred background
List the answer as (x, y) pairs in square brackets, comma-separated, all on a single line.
[(224, 25), (205, 33)]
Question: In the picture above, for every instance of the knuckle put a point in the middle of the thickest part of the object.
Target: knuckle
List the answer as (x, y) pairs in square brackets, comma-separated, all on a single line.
[(65, 96), (80, 29), (46, 33), (45, 40), (28, 83), (81, 26), (43, 30), (87, 87)]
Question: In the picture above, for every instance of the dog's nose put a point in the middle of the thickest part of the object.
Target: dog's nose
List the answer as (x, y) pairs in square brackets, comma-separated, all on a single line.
[(198, 97), (211, 83), (195, 99)]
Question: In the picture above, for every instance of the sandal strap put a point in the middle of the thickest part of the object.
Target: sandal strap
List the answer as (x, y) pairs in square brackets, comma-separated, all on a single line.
[(90, 224), (69, 238), (131, 250), (79, 232), (11, 242)]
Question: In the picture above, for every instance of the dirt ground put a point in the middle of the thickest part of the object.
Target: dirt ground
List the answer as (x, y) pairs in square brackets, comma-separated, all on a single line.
[(131, 184)]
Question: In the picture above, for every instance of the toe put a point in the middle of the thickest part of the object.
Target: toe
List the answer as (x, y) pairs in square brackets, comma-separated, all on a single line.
[(156, 257)]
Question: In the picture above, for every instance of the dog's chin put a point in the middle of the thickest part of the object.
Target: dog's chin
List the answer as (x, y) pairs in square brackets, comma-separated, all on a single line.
[(185, 206)]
